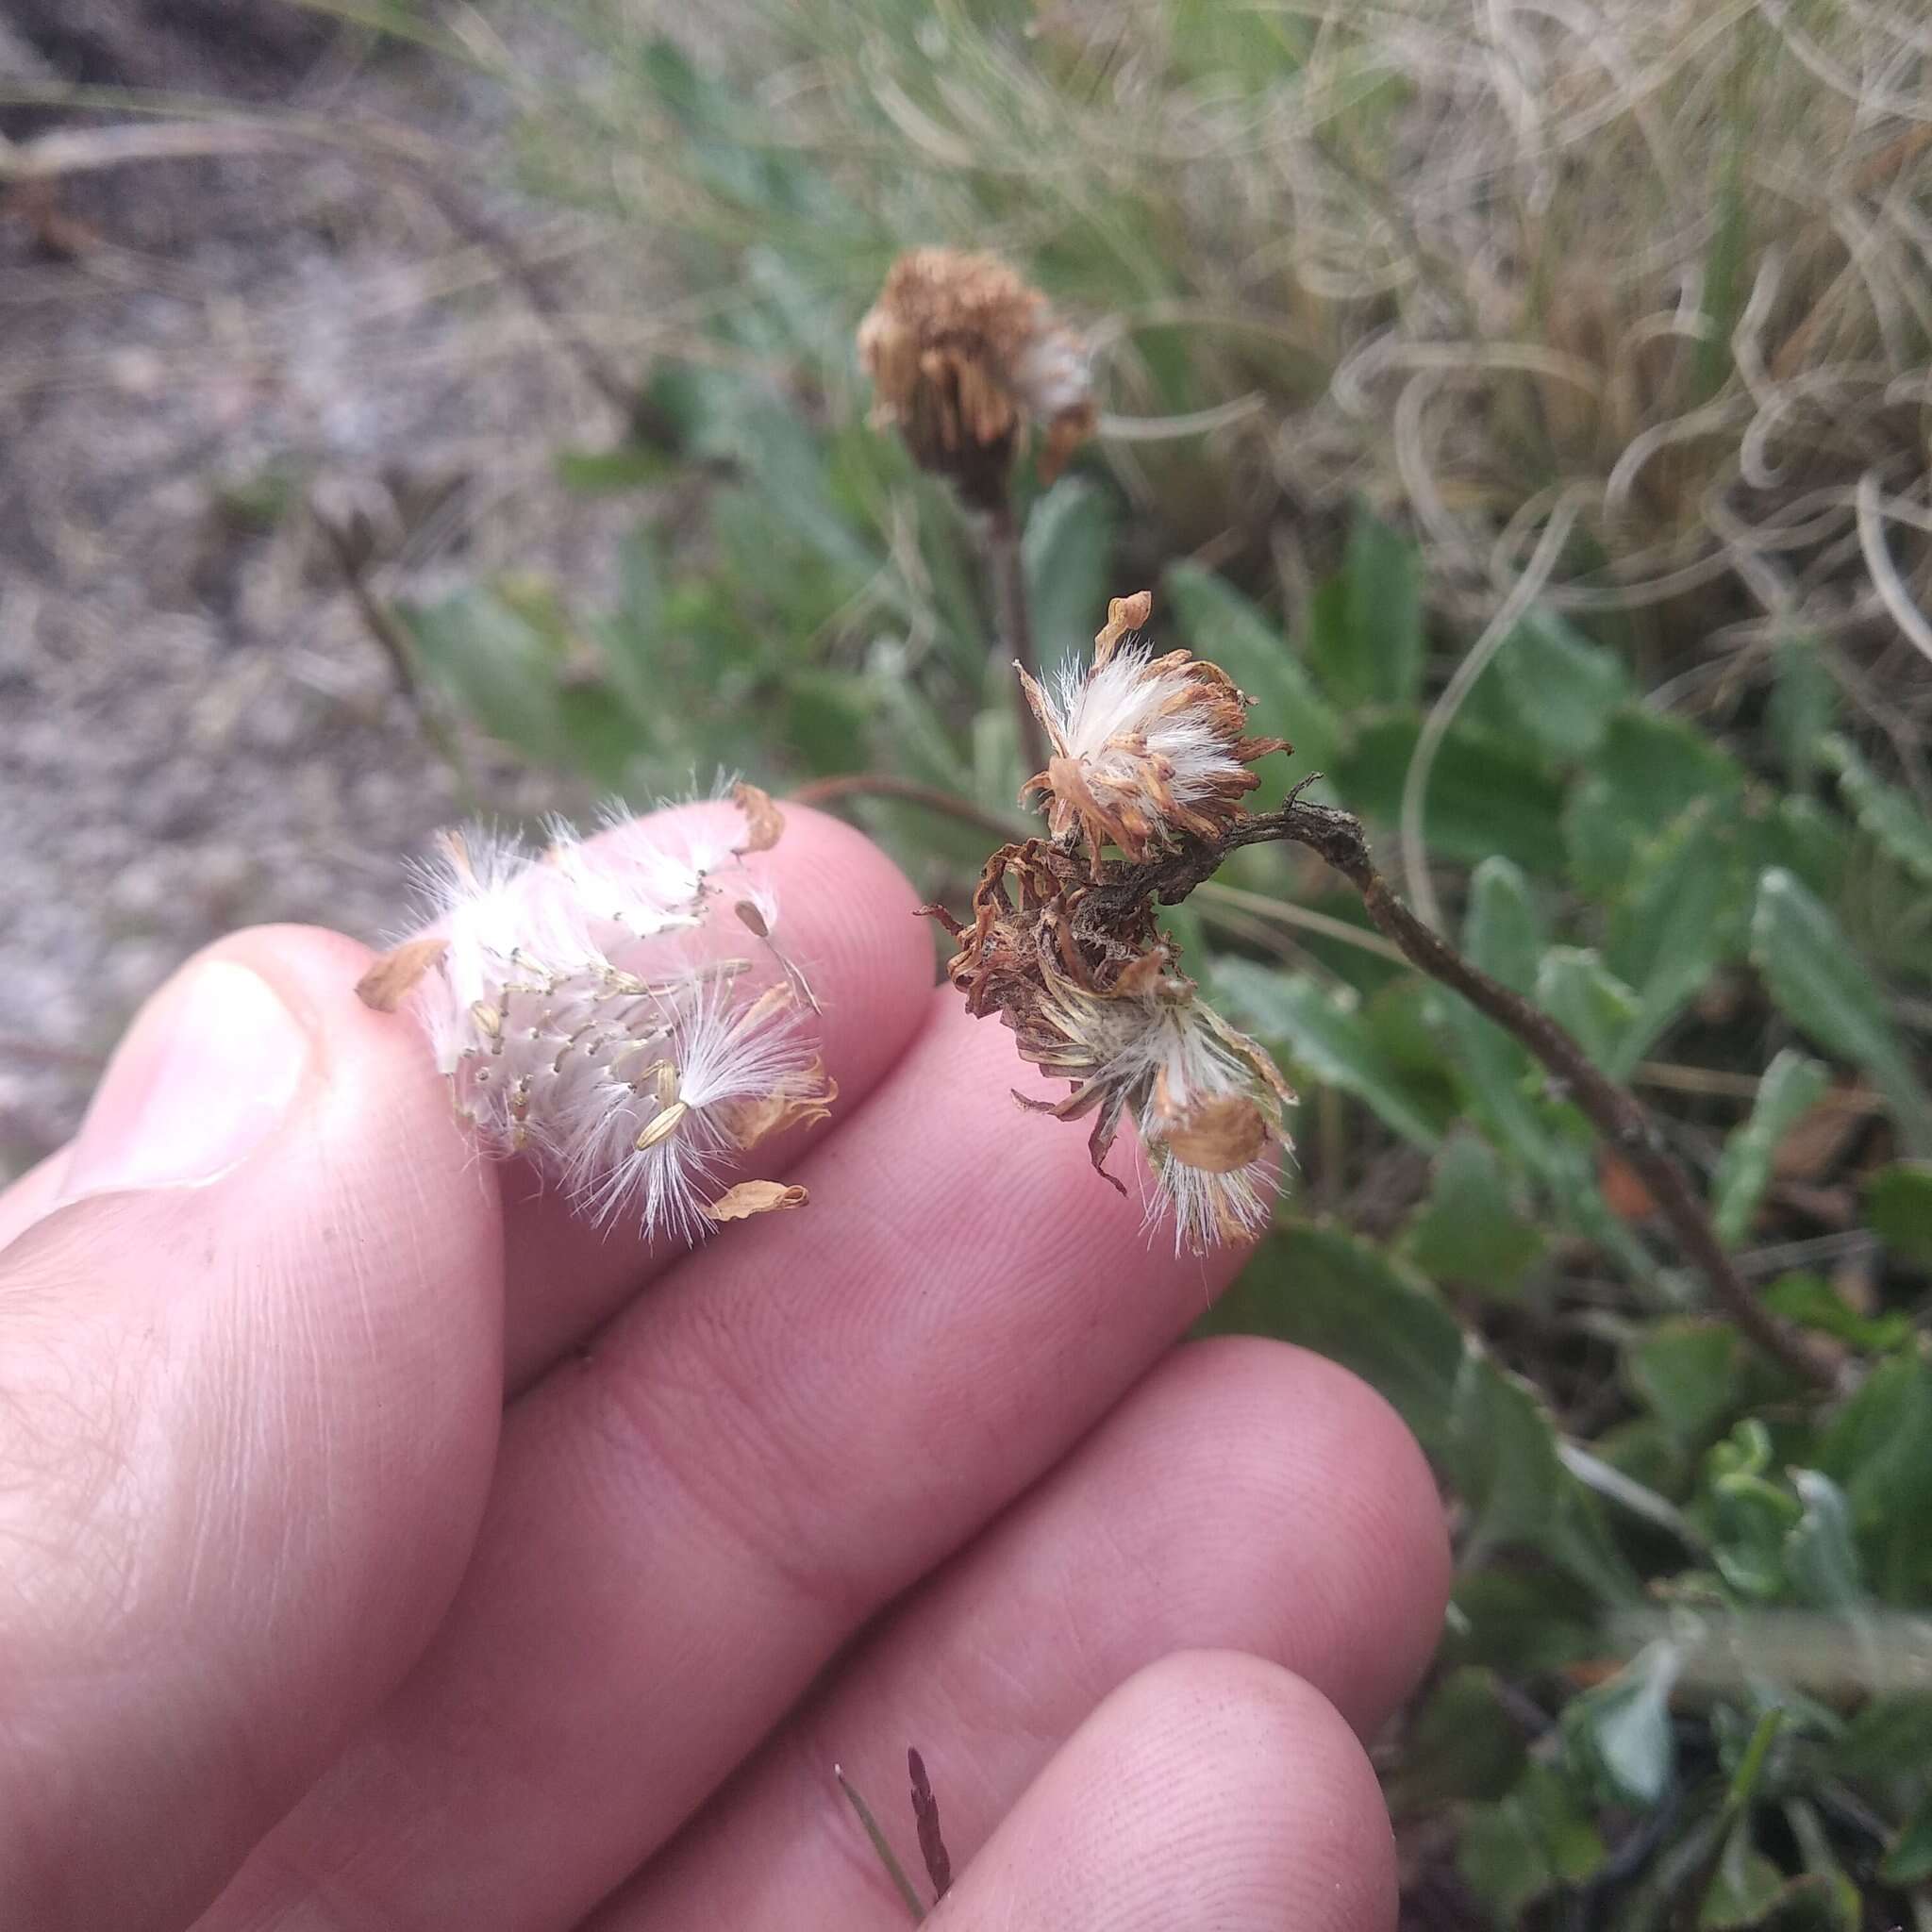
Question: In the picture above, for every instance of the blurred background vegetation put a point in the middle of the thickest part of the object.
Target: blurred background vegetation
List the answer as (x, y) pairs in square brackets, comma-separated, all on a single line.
[(1529, 406)]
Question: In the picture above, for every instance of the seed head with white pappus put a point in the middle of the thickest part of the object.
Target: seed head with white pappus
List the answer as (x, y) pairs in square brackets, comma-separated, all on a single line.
[(1146, 748), (574, 1021)]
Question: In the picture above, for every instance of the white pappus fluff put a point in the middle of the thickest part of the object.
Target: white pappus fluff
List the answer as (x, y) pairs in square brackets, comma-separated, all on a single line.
[(1115, 718), (576, 1021), (1206, 1099)]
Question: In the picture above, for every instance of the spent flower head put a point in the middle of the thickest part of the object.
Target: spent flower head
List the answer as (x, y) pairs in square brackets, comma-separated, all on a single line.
[(964, 355), (1064, 945), (1147, 750), (576, 1021)]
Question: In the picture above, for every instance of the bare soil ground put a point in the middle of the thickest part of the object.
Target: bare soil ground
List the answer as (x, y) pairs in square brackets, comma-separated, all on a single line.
[(196, 730)]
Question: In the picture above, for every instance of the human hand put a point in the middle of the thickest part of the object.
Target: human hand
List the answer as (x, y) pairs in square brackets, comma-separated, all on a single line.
[(385, 1548)]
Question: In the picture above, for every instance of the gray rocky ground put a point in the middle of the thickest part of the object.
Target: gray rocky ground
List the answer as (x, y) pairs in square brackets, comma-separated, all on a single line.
[(196, 729)]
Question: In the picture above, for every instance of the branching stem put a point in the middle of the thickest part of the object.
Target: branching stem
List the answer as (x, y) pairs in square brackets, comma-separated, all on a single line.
[(1006, 563)]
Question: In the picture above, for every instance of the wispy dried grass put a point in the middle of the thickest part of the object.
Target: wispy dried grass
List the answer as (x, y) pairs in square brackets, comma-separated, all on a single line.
[(1661, 266)]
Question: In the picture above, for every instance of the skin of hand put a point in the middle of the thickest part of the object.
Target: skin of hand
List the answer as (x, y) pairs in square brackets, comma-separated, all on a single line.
[(385, 1548)]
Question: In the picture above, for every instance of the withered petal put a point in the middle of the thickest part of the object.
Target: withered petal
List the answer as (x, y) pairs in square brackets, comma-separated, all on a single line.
[(755, 1197), (765, 823), (388, 983)]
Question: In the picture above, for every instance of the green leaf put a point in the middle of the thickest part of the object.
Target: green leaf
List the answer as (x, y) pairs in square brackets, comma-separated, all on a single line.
[(1821, 1560), (1792, 1086), (1878, 1449), (612, 471), (1501, 1455), (1367, 646), (1471, 1230), (1537, 1839), (1899, 1201), (1804, 701), (1680, 916), (1891, 818), (1322, 1032), (1462, 1744), (1223, 627), (1502, 933), (1909, 1858), (1620, 1733), (498, 667), (1574, 987), (1743, 1889), (1686, 1373), (1484, 796), (1821, 986), (1811, 1302), (1067, 550), (1648, 772), (1563, 688)]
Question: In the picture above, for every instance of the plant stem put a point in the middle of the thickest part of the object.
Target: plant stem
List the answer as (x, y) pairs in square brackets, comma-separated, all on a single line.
[(1617, 1115), (1008, 567), (883, 785), (381, 624), (887, 1858)]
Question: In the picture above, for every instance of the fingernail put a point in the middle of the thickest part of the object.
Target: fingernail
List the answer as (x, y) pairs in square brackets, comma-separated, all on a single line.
[(204, 1075)]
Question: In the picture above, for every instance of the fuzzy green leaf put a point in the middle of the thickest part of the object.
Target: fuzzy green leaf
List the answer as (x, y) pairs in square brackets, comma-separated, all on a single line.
[(1471, 1230), (1223, 627), (1484, 796), (1680, 916), (1899, 1200), (1067, 551), (1573, 985), (1367, 645), (1501, 931), (1563, 688), (1891, 817), (1822, 988), (1322, 1032), (1647, 773), (1792, 1086), (1621, 1731)]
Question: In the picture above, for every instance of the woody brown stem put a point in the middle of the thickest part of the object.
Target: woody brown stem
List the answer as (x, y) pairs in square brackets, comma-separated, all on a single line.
[(1618, 1116), (816, 791), (1008, 566)]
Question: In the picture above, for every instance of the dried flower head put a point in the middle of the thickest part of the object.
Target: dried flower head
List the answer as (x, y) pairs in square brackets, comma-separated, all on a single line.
[(1146, 749), (964, 355), (1064, 945), (639, 1081)]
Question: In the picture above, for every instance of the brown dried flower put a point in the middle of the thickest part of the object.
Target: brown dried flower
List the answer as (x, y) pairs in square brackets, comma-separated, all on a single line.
[(1064, 946), (964, 355)]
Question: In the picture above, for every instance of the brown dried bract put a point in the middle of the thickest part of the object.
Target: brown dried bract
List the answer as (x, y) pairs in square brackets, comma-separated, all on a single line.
[(765, 823), (388, 983), (962, 354), (755, 1197)]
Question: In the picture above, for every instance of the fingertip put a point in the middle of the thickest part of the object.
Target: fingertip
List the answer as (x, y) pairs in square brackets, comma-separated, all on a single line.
[(1372, 1580), (1212, 1790)]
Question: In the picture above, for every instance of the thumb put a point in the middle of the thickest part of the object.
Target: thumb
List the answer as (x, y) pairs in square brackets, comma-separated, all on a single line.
[(249, 1387)]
